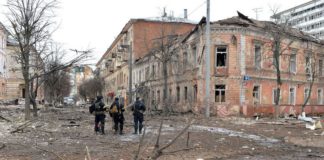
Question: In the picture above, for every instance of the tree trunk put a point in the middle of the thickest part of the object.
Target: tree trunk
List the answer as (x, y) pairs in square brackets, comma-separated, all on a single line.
[(276, 57), (27, 101), (165, 87)]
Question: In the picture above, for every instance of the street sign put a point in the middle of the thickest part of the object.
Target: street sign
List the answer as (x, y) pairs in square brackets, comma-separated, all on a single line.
[(246, 78)]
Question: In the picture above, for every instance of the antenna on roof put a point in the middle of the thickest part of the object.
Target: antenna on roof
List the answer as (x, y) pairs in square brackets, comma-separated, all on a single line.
[(257, 10)]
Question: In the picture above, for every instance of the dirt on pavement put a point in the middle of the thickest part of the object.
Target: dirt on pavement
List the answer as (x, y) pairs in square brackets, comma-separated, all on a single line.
[(67, 133)]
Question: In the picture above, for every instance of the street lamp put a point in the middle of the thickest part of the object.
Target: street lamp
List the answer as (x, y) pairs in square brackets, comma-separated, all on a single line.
[(130, 67)]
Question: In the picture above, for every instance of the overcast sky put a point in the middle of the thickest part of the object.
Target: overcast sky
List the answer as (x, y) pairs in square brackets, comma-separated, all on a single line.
[(95, 23)]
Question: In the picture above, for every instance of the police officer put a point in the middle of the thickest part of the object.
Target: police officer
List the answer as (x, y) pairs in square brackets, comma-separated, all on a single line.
[(138, 109), (116, 111), (98, 108)]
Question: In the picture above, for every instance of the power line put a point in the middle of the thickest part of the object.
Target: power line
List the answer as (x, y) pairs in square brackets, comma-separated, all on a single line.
[(193, 11)]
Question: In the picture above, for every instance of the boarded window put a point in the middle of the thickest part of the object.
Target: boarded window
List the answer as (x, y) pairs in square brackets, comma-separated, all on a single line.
[(257, 58), (185, 60), (220, 93), (221, 56)]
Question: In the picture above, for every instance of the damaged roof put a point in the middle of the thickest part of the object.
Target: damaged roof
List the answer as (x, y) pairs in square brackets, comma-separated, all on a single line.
[(264, 26)]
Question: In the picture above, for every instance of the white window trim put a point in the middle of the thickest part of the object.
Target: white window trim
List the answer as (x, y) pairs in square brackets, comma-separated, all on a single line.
[(295, 64), (294, 87), (257, 44), (273, 101)]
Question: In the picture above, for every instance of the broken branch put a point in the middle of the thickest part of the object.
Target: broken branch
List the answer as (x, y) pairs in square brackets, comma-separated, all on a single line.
[(49, 152), (5, 119), (140, 144)]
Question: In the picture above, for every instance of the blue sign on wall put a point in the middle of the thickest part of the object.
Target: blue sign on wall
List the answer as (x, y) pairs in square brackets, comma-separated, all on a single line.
[(246, 78)]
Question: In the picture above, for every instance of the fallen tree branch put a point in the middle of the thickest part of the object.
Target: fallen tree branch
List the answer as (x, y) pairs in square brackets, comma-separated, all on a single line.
[(23, 126), (140, 144), (158, 138), (88, 157), (157, 152), (181, 133), (5, 119), (49, 152), (179, 150), (2, 146)]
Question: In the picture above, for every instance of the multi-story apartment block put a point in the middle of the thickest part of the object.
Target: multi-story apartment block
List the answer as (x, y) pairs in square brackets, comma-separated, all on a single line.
[(243, 76), (307, 17), (15, 81), (137, 36)]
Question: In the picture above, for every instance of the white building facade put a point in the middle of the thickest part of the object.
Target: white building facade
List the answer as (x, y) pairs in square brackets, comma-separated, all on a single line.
[(307, 17)]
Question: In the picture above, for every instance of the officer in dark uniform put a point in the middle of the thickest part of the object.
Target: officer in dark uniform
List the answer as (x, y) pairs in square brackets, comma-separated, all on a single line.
[(138, 109), (98, 109), (116, 112)]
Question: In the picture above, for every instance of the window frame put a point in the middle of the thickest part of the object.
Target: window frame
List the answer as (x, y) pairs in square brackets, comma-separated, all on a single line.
[(221, 90), (226, 55), (289, 97)]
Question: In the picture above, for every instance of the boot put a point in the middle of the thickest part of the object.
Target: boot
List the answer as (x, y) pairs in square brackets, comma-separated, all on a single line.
[(140, 128), (102, 129), (135, 129)]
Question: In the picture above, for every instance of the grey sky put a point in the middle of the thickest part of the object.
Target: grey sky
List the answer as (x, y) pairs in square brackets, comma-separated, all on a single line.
[(95, 23)]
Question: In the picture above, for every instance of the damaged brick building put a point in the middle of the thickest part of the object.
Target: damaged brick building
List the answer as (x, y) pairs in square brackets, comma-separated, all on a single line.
[(243, 79)]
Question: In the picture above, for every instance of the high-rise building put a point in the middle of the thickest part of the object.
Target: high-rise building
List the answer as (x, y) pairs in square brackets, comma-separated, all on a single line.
[(307, 17)]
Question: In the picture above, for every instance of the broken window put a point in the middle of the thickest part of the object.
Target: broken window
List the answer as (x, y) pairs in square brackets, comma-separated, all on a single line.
[(292, 63), (221, 53), (153, 70), (178, 94), (219, 93), (320, 67), (185, 93), (256, 95), (320, 96), (185, 60), (274, 95), (194, 55), (195, 88), (292, 96), (158, 96), (257, 58)]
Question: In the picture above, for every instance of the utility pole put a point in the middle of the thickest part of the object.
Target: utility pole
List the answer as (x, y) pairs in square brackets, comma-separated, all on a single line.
[(130, 64), (257, 10), (207, 59)]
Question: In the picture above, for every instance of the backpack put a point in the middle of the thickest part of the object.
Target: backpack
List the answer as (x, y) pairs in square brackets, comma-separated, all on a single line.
[(114, 109), (91, 109)]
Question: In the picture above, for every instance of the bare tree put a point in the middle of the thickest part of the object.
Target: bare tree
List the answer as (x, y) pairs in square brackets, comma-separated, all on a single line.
[(31, 23), (91, 88)]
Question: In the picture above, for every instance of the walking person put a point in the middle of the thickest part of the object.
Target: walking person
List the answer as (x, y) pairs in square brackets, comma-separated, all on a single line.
[(98, 109), (138, 109), (116, 112)]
